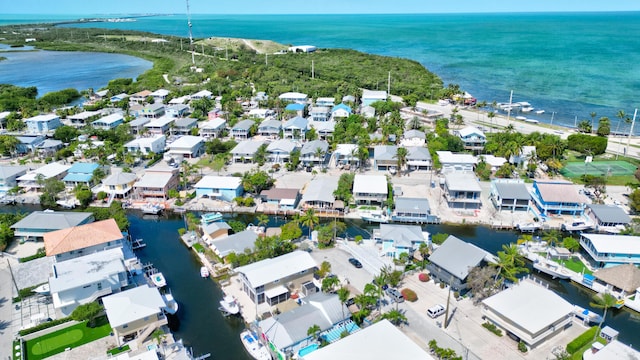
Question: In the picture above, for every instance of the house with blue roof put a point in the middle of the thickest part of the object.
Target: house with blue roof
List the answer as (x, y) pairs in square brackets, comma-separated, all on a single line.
[(295, 128), (28, 143), (242, 129), (398, 239), (341, 111), (109, 122), (297, 108), (80, 174)]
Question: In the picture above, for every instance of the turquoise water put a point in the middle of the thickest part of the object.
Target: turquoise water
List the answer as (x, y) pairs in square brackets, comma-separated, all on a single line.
[(335, 333), (308, 350), (568, 63)]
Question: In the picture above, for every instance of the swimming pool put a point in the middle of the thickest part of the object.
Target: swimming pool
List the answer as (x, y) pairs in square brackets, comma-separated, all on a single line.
[(308, 350), (335, 333)]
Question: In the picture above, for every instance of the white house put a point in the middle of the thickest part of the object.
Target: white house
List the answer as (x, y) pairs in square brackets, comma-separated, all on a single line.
[(160, 94), (295, 128), (246, 150), (202, 94), (220, 187), (146, 145), (280, 151), (456, 162), (270, 127), (371, 96), (159, 126), (472, 137), (308, 152), (49, 171), (294, 97), (413, 138), (109, 122), (42, 124), (8, 177), (212, 128), (33, 226), (370, 189), (397, 239), (187, 146)]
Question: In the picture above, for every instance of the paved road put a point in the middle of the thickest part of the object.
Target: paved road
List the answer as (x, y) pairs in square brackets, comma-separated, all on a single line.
[(6, 294)]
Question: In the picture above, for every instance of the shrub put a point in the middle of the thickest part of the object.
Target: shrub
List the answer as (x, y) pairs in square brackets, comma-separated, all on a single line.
[(522, 347), (199, 248), (423, 277), (358, 239), (39, 254), (581, 340), (43, 326), (409, 295), (491, 327), (442, 285)]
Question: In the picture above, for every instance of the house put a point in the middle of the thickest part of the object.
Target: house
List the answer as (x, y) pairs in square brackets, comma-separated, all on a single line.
[(370, 189), (147, 145), (494, 162), (214, 230), (42, 124), (187, 147), (261, 113), (309, 153), (81, 119), (177, 110), (456, 162), (280, 151), (413, 210), (246, 150), (557, 197), (137, 125), (160, 95), (418, 158), (607, 218), (28, 143), (118, 185), (270, 127), (237, 243), (398, 239), (135, 313), (451, 261), (325, 101), (285, 332), (283, 199), (49, 147), (180, 100), (529, 311), (109, 122), (242, 130), (371, 96), (52, 170), (379, 341), (4, 115), (341, 111), (220, 187), (183, 126), (295, 128), (384, 157), (473, 138), (368, 111), (159, 126), (527, 153), (212, 128), (154, 110), (320, 113), (80, 174), (36, 224), (302, 49), (606, 250), (621, 281), (84, 279), (72, 242), (462, 191), (347, 154), (318, 193), (413, 138), (119, 97), (273, 280), (613, 350), (156, 182), (9, 175), (140, 97), (294, 97), (202, 94), (298, 109), (508, 194), (324, 129)]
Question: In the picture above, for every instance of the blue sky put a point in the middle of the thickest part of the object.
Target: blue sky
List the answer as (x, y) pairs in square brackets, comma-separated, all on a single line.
[(72, 7)]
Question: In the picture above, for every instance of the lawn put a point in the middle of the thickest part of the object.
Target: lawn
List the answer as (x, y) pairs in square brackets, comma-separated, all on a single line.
[(71, 337), (575, 264)]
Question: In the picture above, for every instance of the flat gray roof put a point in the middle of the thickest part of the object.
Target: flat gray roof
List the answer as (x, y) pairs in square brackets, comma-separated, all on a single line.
[(610, 213), (512, 190), (457, 256), (458, 181), (321, 189), (235, 243), (415, 205), (52, 220)]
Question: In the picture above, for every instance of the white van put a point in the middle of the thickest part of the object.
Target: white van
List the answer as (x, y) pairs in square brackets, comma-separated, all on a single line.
[(435, 311)]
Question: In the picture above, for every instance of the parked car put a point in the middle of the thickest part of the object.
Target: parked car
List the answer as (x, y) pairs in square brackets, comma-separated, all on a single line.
[(355, 262), (350, 302), (435, 311), (394, 294)]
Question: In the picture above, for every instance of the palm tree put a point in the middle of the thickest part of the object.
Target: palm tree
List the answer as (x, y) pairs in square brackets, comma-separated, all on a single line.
[(551, 237), (395, 316), (510, 262), (262, 219), (314, 330), (319, 154), (603, 301), (380, 281), (330, 283), (401, 158), (415, 123), (343, 295), (491, 115), (309, 219), (593, 115)]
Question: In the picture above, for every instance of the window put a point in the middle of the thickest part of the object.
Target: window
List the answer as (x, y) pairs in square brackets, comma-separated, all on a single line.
[(99, 286), (125, 326)]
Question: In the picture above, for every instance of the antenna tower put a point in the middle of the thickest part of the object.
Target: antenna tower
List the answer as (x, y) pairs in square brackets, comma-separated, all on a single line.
[(193, 60)]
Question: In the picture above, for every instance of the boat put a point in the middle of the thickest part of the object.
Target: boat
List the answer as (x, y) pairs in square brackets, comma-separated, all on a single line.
[(523, 118), (204, 272), (157, 279), (43, 289), (152, 209), (375, 217), (208, 218), (576, 226), (539, 112), (229, 305), (586, 315), (551, 268), (171, 304), (527, 109), (66, 204), (529, 227), (254, 347), (531, 121), (256, 229)]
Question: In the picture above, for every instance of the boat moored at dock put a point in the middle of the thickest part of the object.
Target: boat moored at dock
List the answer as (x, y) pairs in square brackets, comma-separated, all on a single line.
[(254, 347), (229, 305)]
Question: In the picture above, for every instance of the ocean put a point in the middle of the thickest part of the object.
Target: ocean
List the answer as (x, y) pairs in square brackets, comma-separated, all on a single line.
[(568, 64)]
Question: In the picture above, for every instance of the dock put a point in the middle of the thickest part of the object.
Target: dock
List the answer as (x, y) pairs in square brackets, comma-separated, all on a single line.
[(137, 244), (502, 226)]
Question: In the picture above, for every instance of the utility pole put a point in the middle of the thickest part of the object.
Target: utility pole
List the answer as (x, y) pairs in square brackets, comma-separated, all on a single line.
[(389, 84), (633, 122), (193, 59), (446, 313), (313, 71), (509, 109)]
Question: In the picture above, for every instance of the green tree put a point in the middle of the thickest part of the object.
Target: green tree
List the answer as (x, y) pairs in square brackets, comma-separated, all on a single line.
[(262, 219), (87, 312), (65, 133), (84, 195), (8, 145), (510, 262), (343, 296), (325, 268), (401, 158), (551, 237), (309, 219), (255, 181), (571, 244), (329, 283), (50, 189), (345, 184), (395, 316), (314, 330), (604, 126), (290, 231), (602, 301)]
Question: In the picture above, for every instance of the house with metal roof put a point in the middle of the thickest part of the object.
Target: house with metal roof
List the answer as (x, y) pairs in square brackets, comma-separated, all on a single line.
[(219, 187), (214, 230), (28, 143), (320, 113), (135, 313), (187, 146), (159, 125), (529, 311), (279, 151), (80, 174), (201, 95), (324, 129), (237, 243), (510, 194), (136, 125), (270, 127), (156, 182), (213, 128), (308, 153), (242, 129), (413, 138), (42, 124), (146, 145), (109, 122), (384, 157), (413, 210), (341, 111), (318, 194), (606, 250), (36, 224), (183, 126), (287, 332), (246, 150), (177, 110), (295, 128), (473, 138), (84, 279), (451, 261), (462, 191), (49, 147), (294, 97), (281, 198), (607, 218), (557, 197), (371, 96), (347, 154), (397, 239), (80, 240), (418, 158), (273, 280), (325, 101), (118, 185), (160, 94), (119, 97), (370, 189), (611, 351), (9, 175), (52, 170), (154, 110), (451, 162), (81, 119)]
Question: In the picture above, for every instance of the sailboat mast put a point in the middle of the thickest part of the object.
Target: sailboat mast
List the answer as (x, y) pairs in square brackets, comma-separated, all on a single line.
[(509, 109), (193, 59), (633, 122)]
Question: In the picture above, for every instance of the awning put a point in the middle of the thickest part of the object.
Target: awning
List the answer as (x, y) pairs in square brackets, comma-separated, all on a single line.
[(276, 291), (288, 202)]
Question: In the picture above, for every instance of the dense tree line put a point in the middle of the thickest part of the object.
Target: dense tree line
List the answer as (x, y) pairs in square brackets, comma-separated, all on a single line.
[(587, 144)]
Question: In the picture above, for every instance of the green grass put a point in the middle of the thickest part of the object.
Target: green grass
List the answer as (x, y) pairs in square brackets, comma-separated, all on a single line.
[(574, 264), (118, 350), (16, 343), (71, 337), (578, 354)]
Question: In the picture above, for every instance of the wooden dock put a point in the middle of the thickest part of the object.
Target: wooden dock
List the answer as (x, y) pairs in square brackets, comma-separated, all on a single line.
[(502, 226)]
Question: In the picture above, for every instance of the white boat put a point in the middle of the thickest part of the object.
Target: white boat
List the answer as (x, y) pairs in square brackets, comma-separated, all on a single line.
[(43, 289), (523, 118), (577, 226), (586, 315), (551, 268), (529, 227), (539, 112), (171, 304), (229, 305), (254, 346), (531, 121), (527, 109), (204, 272), (152, 209), (208, 218), (66, 204), (158, 279), (375, 217)]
